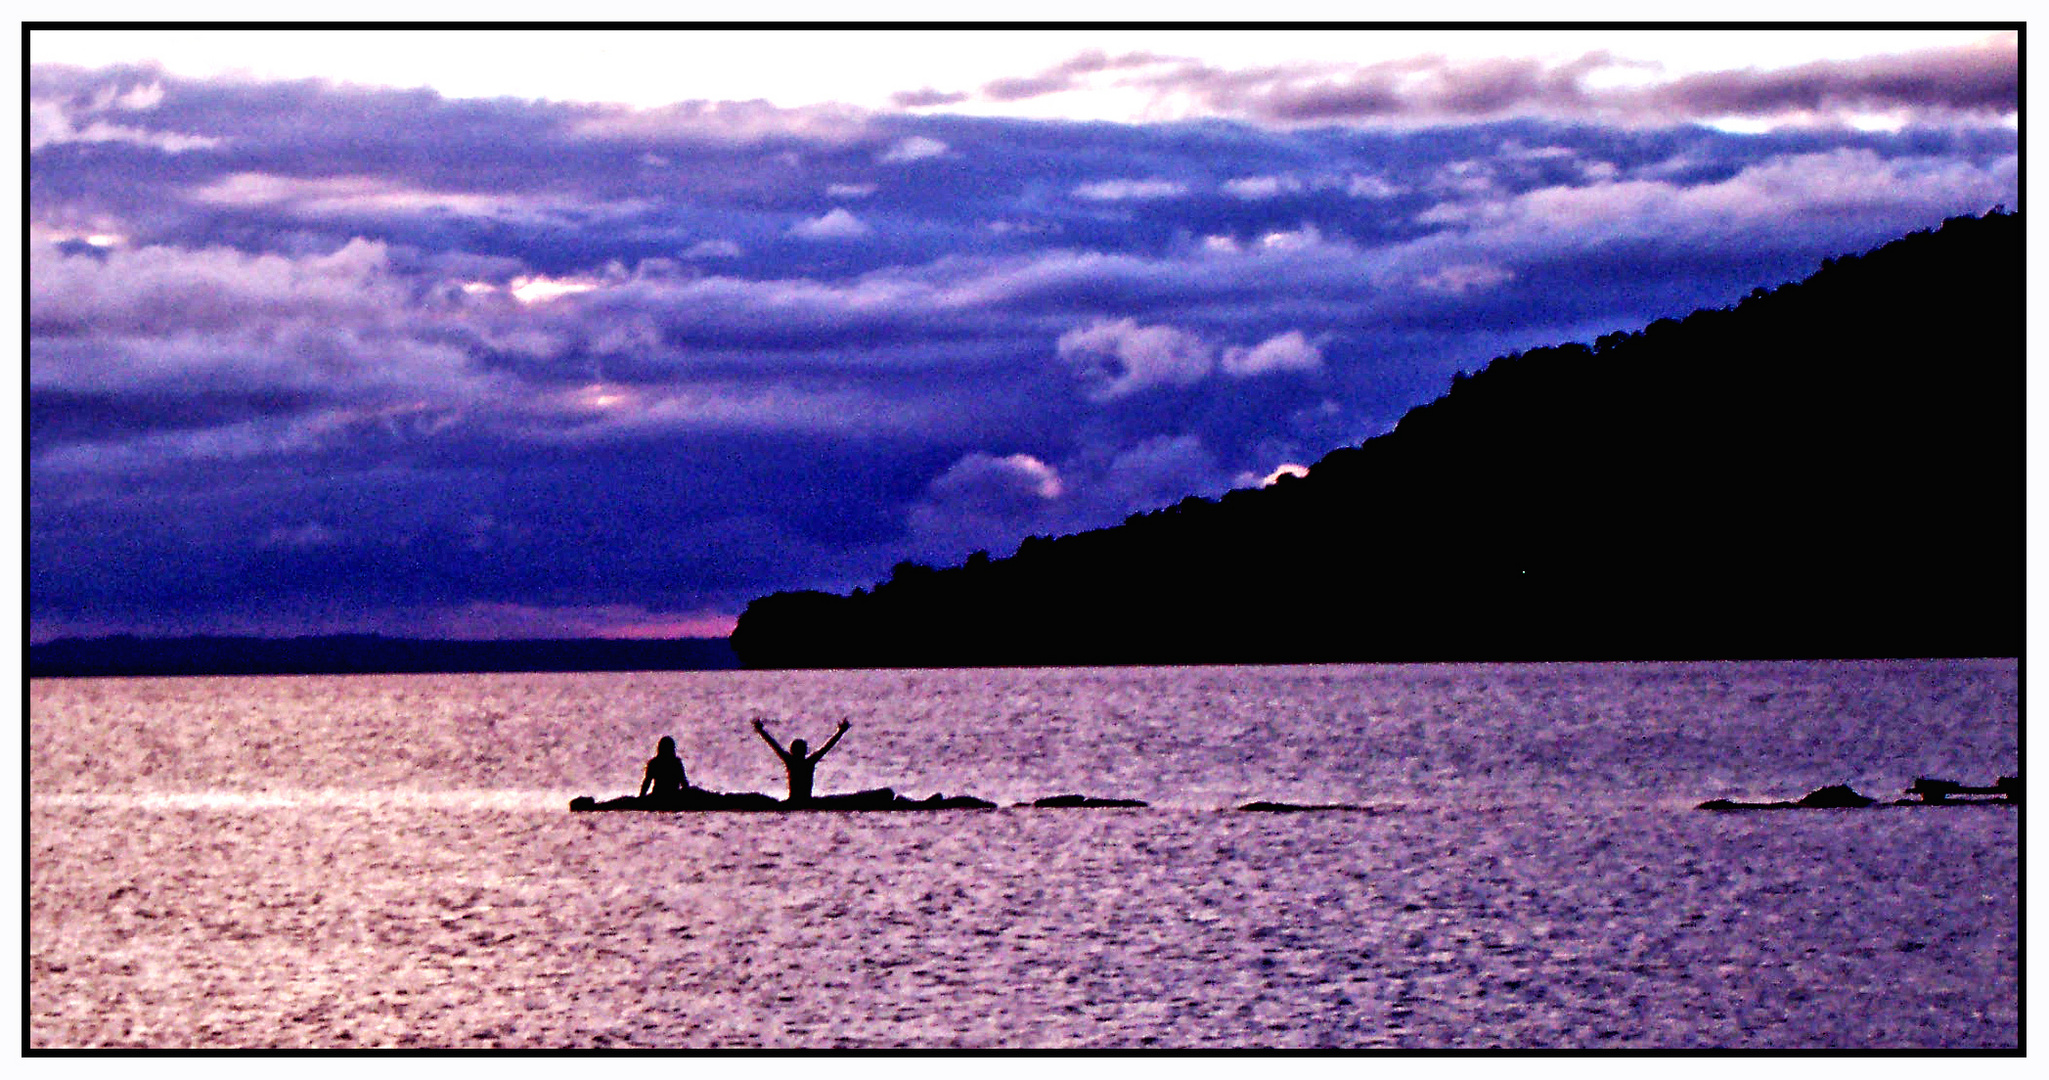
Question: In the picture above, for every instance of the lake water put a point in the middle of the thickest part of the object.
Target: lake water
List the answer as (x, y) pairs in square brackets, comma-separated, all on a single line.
[(388, 861)]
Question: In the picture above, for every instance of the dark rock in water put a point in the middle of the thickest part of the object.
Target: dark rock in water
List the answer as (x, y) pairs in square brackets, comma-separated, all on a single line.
[(871, 799), (942, 802), (1064, 801), (1835, 796), (696, 800), (738, 800), (1832, 797), (1265, 807), (690, 799), (1928, 791)]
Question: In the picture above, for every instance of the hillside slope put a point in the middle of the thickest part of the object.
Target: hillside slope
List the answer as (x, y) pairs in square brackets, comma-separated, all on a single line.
[(1832, 468)]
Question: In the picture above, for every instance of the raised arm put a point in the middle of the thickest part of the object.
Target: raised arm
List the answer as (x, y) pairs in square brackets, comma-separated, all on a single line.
[(832, 742), (761, 730)]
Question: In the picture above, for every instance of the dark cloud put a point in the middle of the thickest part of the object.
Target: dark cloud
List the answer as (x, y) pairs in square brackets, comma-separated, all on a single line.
[(310, 357), (1981, 79), (1067, 75), (928, 97)]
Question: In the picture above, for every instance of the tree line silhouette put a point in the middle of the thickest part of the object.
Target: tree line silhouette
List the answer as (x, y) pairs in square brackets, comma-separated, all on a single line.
[(1829, 468)]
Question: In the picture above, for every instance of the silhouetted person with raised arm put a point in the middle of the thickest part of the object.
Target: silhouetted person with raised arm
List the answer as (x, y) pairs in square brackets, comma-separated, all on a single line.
[(664, 775), (798, 759)]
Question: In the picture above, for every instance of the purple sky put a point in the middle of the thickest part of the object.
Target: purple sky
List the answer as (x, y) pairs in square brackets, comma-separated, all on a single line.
[(313, 355)]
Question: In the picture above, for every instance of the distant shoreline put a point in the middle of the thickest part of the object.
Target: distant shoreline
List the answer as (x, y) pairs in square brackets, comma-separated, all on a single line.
[(125, 657), (368, 654)]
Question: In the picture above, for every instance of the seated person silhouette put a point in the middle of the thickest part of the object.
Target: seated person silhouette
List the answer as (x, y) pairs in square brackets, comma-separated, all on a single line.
[(798, 760), (664, 775)]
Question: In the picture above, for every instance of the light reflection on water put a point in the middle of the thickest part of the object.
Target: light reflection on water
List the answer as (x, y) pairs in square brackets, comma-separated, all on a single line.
[(388, 862), (321, 800)]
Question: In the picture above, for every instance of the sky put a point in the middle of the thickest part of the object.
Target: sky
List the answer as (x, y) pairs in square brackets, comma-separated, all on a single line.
[(510, 333)]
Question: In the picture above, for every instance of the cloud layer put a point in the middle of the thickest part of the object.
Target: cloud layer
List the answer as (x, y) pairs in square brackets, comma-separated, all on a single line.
[(1928, 84), (310, 357)]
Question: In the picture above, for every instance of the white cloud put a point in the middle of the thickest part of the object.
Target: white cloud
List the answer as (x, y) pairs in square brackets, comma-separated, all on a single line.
[(1368, 186), (1263, 187), (159, 290), (1357, 185), (1596, 171), (1307, 236), (915, 148), (1118, 358), (1282, 352), (989, 502), (597, 412), (1119, 190), (1760, 199), (837, 224), (1121, 358), (1306, 239), (1020, 228), (736, 122), (344, 195), (1285, 469), (539, 288), (1471, 178), (140, 98), (1465, 277), (712, 249), (49, 124), (987, 482)]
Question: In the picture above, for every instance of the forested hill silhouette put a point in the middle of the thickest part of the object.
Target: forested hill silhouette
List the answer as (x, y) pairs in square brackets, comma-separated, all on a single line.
[(1831, 468)]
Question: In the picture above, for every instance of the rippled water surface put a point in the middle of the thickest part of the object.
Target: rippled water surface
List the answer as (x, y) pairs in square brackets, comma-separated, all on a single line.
[(388, 861)]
